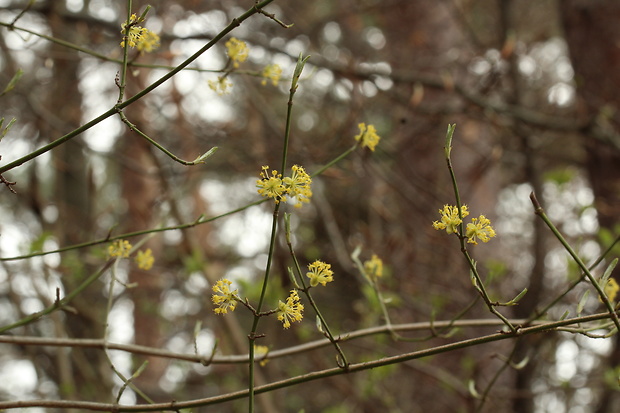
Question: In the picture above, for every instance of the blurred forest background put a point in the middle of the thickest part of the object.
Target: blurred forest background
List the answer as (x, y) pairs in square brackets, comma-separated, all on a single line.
[(532, 86)]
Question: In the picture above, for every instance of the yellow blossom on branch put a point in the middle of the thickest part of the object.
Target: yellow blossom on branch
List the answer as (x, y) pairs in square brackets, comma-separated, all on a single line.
[(270, 185), (450, 219), (479, 228), (320, 273), (368, 136), (135, 32), (271, 72), (237, 51), (224, 298), (298, 185), (220, 86), (138, 36), (119, 248), (134, 35), (145, 259), (291, 310), (374, 267), (148, 42)]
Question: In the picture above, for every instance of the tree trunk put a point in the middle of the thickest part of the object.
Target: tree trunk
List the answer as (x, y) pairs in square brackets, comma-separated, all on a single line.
[(79, 372), (592, 35)]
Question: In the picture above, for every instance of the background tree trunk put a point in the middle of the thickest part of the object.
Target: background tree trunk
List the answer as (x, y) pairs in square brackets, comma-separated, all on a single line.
[(592, 35), (80, 369)]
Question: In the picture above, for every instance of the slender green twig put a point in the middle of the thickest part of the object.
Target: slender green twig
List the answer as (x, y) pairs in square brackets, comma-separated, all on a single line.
[(306, 289), (470, 262), (122, 82), (59, 303), (451, 324), (253, 333), (21, 13), (299, 67), (201, 220), (538, 209), (574, 284), (274, 226), (60, 42), (334, 161), (199, 160), (130, 63), (128, 382), (485, 394), (378, 295)]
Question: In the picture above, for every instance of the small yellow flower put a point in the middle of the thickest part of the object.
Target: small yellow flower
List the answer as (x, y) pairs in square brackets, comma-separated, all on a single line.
[(134, 35), (368, 136), (145, 259), (298, 185), (611, 290), (450, 219), (270, 185), (237, 50), (220, 86), (148, 42), (374, 267), (138, 36), (119, 248), (320, 273), (133, 19), (135, 32), (227, 299), (479, 228), (271, 72), (291, 310)]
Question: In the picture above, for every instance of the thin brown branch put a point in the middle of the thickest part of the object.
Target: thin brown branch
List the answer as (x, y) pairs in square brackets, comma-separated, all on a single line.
[(316, 375), (273, 354)]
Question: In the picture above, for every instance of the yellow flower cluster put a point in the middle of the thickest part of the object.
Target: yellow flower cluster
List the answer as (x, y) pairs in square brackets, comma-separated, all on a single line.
[(450, 219), (221, 86), (138, 36), (122, 249), (374, 267), (237, 51), (478, 229), (119, 248), (149, 41), (297, 186), (270, 185), (271, 72), (145, 259), (368, 136), (224, 298), (320, 273), (290, 311)]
